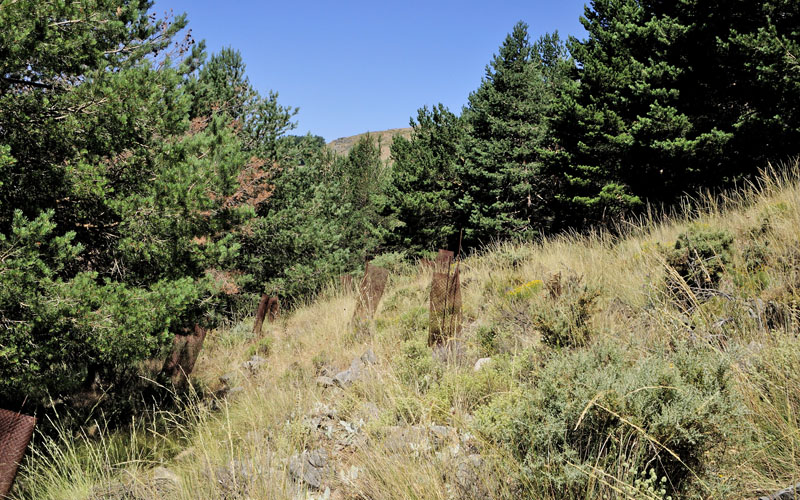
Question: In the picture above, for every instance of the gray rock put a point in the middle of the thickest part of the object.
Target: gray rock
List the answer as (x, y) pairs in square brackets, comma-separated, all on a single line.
[(405, 439), (309, 467), (481, 363), (254, 364), (369, 358), (222, 394), (369, 411), (228, 379), (235, 478), (318, 458), (166, 475), (116, 490), (443, 434), (348, 476), (347, 377), (790, 493), (468, 478)]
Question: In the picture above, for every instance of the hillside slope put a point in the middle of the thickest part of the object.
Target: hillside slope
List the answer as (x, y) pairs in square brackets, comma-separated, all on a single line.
[(662, 363), (344, 144)]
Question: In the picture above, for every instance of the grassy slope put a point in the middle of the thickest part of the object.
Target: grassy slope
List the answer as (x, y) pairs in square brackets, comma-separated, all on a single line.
[(344, 144), (273, 417)]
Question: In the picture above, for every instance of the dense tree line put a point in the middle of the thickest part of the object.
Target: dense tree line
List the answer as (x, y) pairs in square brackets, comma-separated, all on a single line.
[(146, 187), (660, 100)]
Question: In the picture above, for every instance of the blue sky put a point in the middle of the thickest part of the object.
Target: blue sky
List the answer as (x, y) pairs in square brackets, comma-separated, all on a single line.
[(355, 66)]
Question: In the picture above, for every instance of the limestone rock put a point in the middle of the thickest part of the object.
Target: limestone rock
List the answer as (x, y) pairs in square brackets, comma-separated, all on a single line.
[(482, 363), (369, 358), (309, 467), (789, 493), (324, 381), (254, 364)]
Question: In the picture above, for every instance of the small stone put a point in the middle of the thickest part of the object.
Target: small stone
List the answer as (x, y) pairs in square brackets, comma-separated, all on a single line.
[(468, 477), (254, 363), (163, 475), (481, 363), (789, 493), (402, 439), (369, 411), (346, 377), (443, 434), (350, 475), (228, 379), (318, 458), (369, 358), (309, 467)]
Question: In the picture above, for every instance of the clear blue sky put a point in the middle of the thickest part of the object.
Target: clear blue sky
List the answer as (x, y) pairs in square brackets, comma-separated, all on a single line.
[(355, 66)]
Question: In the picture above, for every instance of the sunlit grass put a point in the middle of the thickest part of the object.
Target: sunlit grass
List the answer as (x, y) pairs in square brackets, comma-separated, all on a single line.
[(264, 423)]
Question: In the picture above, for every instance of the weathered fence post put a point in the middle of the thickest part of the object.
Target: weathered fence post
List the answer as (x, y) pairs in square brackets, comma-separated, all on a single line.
[(269, 308), (445, 301), (261, 313), (370, 292), (273, 309), (185, 350), (15, 434), (346, 282)]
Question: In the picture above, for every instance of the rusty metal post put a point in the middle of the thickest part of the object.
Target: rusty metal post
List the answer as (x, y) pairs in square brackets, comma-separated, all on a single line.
[(445, 301), (16, 431), (185, 350), (346, 282), (443, 260), (273, 309), (261, 312), (370, 291)]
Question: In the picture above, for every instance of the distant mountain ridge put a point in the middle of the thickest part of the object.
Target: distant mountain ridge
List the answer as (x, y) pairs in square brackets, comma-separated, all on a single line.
[(343, 145)]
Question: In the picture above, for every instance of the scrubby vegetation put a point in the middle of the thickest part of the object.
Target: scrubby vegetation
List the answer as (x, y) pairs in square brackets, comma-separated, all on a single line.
[(611, 373), (148, 190)]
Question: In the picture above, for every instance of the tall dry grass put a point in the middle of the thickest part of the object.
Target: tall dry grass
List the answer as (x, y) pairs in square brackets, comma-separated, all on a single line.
[(265, 424)]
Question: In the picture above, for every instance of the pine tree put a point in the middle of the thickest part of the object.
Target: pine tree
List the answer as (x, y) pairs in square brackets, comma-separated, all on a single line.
[(223, 87), (425, 181), (117, 210), (507, 130), (675, 96)]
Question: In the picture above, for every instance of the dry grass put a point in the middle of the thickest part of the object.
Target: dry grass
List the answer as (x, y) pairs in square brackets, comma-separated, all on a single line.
[(267, 422)]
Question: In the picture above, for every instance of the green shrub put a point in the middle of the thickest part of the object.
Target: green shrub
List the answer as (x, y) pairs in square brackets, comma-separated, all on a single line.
[(470, 390), (601, 413), (416, 365), (563, 319), (486, 336), (701, 255), (262, 347), (395, 262)]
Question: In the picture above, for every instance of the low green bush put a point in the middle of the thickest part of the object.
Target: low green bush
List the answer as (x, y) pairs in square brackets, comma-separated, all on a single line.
[(416, 365), (469, 390), (589, 412), (700, 256), (563, 318)]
